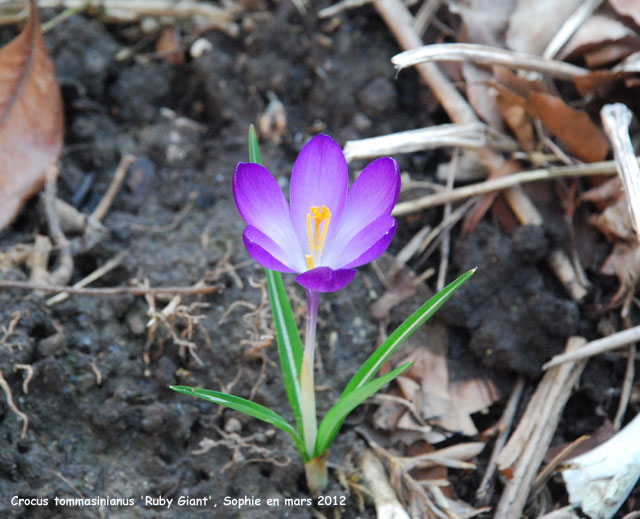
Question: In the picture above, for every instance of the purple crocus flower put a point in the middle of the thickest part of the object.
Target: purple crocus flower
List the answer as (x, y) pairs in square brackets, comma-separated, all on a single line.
[(327, 230)]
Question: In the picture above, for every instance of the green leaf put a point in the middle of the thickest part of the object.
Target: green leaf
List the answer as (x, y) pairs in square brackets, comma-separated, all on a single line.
[(288, 339), (244, 406), (332, 422), (254, 149), (373, 364), (287, 336)]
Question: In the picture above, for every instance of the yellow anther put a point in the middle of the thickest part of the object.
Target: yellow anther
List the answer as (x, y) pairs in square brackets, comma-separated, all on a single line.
[(317, 234), (309, 261), (310, 236)]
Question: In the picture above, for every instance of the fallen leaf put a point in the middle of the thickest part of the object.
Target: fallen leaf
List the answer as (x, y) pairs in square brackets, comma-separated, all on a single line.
[(484, 21), (574, 128), (484, 203), (481, 96), (598, 80), (599, 436), (272, 123), (534, 23), (31, 117), (168, 46), (604, 194), (521, 85), (403, 286), (615, 221), (597, 30), (438, 400), (513, 108), (610, 52), (628, 8), (624, 263)]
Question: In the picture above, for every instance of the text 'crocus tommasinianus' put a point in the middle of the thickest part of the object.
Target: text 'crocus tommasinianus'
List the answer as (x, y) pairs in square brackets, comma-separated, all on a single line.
[(327, 230)]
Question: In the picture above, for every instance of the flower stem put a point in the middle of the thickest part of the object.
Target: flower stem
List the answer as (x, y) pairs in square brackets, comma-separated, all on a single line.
[(307, 389), (316, 472)]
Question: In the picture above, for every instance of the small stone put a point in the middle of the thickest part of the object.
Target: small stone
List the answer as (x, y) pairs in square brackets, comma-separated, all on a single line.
[(233, 425), (361, 122), (155, 417), (136, 322), (200, 47), (53, 345), (530, 243), (378, 97)]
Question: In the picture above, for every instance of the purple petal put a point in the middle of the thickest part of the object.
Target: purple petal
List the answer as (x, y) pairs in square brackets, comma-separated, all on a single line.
[(369, 243), (267, 252), (262, 205), (373, 194), (320, 177), (325, 279)]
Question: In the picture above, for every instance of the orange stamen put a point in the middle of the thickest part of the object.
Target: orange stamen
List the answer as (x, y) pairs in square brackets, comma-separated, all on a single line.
[(317, 234)]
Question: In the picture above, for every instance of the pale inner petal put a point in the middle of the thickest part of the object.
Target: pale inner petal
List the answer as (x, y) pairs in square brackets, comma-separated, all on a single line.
[(319, 178)]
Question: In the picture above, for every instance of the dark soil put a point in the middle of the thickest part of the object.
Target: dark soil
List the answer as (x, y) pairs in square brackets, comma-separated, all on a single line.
[(102, 421)]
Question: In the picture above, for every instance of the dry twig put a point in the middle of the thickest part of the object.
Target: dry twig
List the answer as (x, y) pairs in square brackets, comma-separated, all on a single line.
[(344, 5), (627, 386), (130, 10), (570, 26), (116, 182), (612, 342), (498, 184), (483, 494), (528, 445), (384, 497), (62, 274), (486, 55), (400, 21), (615, 121), (95, 275), (110, 291), (473, 135), (425, 14)]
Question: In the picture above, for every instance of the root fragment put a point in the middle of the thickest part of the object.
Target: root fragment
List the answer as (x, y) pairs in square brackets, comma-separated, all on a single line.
[(9, 396)]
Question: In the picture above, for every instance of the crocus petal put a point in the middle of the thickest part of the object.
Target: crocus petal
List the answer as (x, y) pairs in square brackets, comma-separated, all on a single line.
[(320, 177), (266, 251), (263, 206), (325, 279), (369, 243), (373, 194)]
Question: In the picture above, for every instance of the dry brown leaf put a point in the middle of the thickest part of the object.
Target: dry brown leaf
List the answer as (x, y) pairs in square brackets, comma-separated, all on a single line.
[(534, 23), (441, 402), (599, 436), (403, 288), (604, 194), (481, 96), (624, 263), (598, 80), (595, 33), (630, 8), (615, 221), (611, 52), (484, 204), (168, 46), (272, 123), (513, 108), (521, 85), (31, 117), (574, 128), (484, 21)]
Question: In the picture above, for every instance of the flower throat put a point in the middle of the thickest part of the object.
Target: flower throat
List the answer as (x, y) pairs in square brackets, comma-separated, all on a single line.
[(317, 226)]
